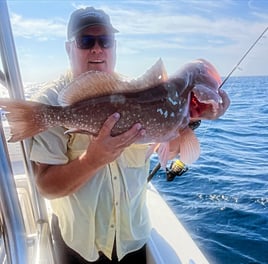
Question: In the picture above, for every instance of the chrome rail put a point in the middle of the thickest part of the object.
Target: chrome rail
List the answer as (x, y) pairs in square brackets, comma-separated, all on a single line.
[(13, 222), (44, 251), (13, 225)]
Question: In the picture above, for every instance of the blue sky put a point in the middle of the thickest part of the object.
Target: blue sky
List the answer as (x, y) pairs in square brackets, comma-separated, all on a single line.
[(176, 30)]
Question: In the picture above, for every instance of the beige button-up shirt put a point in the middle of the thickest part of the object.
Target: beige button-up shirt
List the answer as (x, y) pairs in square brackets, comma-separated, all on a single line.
[(111, 205)]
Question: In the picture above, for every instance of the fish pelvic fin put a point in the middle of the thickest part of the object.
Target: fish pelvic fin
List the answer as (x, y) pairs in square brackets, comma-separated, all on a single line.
[(75, 130), (186, 145), (21, 116), (163, 153), (189, 146), (162, 150)]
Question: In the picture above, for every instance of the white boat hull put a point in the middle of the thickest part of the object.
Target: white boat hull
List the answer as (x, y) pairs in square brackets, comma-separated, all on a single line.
[(169, 243)]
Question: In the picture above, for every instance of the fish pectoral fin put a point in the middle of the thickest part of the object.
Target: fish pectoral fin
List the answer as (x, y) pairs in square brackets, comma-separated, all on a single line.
[(162, 150), (75, 130), (163, 153), (189, 146)]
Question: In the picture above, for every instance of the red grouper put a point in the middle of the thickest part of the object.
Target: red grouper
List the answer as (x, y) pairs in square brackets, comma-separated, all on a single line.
[(164, 106)]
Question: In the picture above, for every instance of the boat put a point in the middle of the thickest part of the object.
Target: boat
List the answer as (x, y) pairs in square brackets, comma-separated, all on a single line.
[(25, 236)]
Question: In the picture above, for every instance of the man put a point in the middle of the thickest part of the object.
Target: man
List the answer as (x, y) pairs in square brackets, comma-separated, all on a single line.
[(97, 184)]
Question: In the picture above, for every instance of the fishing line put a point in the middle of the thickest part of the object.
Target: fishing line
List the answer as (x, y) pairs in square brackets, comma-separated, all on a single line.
[(243, 57)]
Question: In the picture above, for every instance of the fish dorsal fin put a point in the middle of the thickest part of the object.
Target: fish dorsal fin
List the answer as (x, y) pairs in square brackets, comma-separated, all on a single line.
[(155, 75), (91, 84)]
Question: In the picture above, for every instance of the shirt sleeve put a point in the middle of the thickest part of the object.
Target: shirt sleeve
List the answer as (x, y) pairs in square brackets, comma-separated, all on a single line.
[(50, 147)]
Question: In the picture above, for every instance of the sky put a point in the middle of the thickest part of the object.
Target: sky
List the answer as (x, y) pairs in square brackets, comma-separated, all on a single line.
[(177, 31)]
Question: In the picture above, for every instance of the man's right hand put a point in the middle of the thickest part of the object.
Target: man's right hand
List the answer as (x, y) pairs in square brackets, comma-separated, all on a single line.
[(105, 148)]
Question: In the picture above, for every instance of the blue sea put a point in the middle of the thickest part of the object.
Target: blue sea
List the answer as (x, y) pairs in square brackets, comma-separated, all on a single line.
[(222, 200)]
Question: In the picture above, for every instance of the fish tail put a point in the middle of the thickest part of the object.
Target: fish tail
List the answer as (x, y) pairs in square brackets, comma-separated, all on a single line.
[(23, 118)]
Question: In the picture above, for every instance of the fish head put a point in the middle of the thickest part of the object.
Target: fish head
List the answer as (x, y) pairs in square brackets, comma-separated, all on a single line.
[(201, 109), (208, 74), (205, 97)]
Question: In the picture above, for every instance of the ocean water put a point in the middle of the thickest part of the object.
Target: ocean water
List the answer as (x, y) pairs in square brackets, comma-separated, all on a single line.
[(222, 200)]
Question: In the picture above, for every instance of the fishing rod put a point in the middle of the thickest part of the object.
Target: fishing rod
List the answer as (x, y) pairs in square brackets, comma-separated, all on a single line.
[(243, 57), (177, 167)]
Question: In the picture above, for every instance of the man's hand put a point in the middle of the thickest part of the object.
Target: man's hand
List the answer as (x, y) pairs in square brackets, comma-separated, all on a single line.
[(105, 148)]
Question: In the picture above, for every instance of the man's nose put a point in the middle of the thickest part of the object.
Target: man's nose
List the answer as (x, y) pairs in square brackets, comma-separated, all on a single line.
[(96, 48)]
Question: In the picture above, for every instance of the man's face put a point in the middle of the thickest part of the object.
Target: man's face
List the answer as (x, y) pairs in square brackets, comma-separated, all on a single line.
[(96, 58)]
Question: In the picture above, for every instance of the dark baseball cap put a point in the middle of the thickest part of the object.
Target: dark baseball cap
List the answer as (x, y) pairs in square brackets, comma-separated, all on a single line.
[(86, 17)]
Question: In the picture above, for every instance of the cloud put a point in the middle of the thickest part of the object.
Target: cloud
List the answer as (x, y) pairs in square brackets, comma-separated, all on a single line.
[(40, 29), (185, 32)]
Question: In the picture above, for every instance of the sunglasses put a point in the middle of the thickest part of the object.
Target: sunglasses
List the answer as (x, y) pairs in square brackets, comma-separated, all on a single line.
[(89, 41)]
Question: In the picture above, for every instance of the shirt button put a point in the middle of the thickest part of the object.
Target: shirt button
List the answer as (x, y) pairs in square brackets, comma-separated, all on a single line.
[(112, 226), (115, 177), (116, 203)]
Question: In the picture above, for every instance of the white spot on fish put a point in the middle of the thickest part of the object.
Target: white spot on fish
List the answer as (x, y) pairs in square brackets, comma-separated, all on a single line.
[(166, 114), (160, 110), (173, 102)]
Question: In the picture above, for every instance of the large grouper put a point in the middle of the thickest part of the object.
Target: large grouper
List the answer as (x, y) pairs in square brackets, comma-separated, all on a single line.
[(164, 106)]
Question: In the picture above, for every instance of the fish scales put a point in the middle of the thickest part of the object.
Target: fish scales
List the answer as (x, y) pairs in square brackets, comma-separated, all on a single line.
[(143, 107)]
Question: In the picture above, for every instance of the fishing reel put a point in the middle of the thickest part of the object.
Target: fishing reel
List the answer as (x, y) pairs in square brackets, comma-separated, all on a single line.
[(177, 168)]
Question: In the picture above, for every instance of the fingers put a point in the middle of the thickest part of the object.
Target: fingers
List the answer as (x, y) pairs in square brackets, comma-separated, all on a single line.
[(109, 124), (123, 140), (130, 136)]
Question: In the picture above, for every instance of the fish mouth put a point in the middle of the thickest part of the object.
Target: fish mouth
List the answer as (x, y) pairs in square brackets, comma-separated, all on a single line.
[(197, 108)]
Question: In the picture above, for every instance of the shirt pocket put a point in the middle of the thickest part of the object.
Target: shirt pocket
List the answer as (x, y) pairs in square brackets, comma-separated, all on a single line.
[(77, 144), (134, 156)]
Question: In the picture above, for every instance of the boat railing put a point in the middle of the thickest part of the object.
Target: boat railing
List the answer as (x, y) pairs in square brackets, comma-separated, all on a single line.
[(17, 202), (11, 216)]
